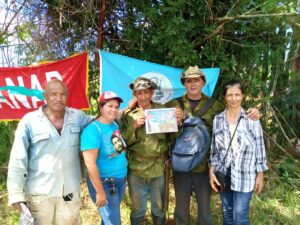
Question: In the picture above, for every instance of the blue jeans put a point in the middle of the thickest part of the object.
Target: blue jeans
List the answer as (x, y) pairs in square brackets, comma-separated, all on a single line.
[(114, 189), (184, 184), (235, 206), (139, 189)]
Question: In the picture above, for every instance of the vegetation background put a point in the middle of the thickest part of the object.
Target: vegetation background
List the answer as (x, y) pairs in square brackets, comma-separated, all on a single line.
[(256, 41)]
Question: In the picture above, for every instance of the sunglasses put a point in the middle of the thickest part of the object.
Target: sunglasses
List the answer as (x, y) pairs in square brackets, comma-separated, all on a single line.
[(112, 189)]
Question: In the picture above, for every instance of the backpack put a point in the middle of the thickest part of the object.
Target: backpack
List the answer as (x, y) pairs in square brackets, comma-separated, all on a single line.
[(190, 148)]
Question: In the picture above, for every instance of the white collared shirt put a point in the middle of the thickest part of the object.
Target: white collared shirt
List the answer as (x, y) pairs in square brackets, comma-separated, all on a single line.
[(42, 161)]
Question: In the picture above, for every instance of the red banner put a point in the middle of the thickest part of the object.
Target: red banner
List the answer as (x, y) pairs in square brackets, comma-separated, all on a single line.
[(21, 89)]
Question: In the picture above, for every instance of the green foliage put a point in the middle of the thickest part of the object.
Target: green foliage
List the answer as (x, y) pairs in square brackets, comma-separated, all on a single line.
[(24, 31), (260, 50), (182, 33), (3, 38), (6, 138), (288, 171), (279, 202)]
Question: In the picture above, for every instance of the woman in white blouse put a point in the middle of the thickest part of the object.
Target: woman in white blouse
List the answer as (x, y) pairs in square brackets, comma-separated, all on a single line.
[(242, 157)]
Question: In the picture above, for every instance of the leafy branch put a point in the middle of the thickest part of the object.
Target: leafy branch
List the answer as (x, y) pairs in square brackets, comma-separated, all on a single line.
[(246, 16)]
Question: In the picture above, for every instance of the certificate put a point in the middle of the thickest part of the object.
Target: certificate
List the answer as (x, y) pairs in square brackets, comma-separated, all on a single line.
[(161, 120)]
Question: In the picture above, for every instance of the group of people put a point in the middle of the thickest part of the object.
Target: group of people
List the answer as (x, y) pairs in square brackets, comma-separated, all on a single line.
[(44, 167)]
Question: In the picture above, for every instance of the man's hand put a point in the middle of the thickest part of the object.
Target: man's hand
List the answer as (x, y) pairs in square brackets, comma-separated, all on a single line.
[(17, 206), (253, 113), (179, 115), (259, 183), (140, 121)]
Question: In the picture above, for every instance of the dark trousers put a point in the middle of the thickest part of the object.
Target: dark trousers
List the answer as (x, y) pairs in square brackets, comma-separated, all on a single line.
[(184, 184), (139, 191)]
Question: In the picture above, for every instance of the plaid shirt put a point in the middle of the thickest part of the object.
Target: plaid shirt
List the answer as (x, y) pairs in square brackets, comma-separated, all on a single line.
[(251, 157)]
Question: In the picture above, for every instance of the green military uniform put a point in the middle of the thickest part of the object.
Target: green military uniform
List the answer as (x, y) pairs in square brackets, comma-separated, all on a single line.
[(145, 151), (207, 119)]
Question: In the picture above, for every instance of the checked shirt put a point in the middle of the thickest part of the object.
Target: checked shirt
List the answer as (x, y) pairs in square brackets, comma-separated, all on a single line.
[(251, 155)]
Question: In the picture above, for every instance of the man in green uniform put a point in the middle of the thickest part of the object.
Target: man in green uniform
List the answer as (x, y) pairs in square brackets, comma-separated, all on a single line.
[(146, 154)]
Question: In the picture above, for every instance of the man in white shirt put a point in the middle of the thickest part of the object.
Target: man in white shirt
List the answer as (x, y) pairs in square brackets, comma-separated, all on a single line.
[(44, 167)]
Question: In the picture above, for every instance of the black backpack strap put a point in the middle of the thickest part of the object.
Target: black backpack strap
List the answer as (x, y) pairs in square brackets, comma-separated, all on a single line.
[(208, 104)]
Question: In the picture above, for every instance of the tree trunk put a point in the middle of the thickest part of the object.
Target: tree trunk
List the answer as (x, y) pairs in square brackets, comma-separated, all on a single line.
[(297, 70)]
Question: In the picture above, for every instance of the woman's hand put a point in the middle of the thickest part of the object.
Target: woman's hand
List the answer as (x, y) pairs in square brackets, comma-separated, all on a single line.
[(214, 183), (253, 113), (259, 183), (90, 159), (100, 198)]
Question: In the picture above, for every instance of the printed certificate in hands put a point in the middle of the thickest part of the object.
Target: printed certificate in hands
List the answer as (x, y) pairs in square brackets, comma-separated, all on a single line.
[(161, 120)]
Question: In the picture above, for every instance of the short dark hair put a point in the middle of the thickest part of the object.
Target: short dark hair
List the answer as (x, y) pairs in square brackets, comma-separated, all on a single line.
[(114, 136), (233, 83), (182, 80)]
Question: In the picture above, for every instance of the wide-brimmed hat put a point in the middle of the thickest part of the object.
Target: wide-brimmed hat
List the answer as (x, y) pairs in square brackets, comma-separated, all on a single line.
[(192, 72), (142, 83), (108, 95)]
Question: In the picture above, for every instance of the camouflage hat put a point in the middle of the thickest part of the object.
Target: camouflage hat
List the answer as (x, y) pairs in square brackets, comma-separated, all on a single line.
[(192, 72), (142, 83)]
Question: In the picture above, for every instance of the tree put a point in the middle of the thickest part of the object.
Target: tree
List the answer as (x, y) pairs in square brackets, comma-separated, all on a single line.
[(255, 41)]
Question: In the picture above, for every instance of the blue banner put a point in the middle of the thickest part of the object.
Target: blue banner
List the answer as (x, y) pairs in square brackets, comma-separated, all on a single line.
[(118, 71)]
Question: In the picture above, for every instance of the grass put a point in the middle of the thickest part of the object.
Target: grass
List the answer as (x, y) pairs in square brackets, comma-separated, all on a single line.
[(278, 204)]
